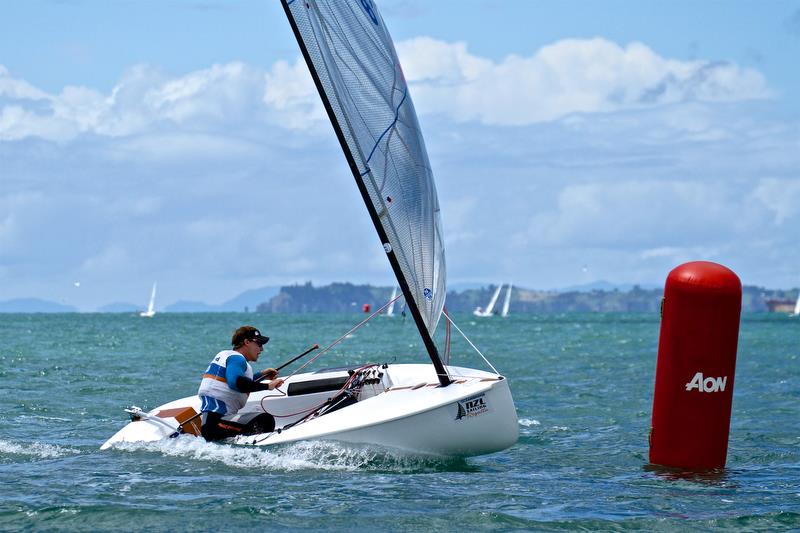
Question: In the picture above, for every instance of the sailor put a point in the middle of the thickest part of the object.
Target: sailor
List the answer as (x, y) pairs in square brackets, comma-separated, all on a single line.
[(228, 381)]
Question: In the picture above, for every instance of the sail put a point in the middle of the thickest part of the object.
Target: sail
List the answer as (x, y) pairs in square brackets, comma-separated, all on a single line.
[(493, 301), (390, 310), (353, 60), (151, 305), (797, 306), (506, 302)]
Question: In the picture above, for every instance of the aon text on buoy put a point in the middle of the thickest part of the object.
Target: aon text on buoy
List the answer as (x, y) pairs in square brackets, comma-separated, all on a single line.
[(709, 384)]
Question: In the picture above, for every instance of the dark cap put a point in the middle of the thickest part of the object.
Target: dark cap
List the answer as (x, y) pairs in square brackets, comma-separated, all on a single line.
[(248, 333)]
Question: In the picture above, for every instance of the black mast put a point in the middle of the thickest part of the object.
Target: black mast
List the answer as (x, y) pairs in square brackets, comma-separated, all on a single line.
[(430, 346)]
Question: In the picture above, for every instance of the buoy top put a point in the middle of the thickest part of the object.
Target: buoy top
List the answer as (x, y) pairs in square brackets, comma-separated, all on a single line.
[(707, 276)]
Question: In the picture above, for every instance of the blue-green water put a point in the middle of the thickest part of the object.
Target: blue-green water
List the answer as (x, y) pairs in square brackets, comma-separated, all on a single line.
[(582, 383)]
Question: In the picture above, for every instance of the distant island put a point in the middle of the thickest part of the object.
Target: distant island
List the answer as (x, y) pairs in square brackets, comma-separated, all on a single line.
[(349, 297), (34, 305), (344, 297)]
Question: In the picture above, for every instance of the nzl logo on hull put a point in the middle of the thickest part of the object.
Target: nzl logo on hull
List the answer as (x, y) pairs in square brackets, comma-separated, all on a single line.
[(709, 384), (472, 407)]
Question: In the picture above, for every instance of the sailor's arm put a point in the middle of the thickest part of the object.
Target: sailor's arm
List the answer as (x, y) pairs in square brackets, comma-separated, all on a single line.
[(267, 373), (237, 380), (245, 384)]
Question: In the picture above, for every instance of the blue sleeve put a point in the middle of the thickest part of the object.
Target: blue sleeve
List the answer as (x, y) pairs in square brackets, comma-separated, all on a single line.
[(234, 368)]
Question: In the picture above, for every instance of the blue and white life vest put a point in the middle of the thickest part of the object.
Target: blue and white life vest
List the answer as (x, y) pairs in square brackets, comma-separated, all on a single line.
[(215, 385)]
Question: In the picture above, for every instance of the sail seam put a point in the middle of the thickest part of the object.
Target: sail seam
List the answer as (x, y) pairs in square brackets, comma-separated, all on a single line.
[(375, 147)]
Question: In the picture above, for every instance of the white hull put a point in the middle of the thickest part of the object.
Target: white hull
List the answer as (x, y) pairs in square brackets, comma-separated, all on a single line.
[(406, 410)]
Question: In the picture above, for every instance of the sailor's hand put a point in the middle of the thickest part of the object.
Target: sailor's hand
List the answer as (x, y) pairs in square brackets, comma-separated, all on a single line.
[(269, 373), (275, 384)]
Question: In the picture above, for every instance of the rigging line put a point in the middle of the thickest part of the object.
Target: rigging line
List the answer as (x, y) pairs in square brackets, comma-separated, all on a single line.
[(470, 342), (315, 409), (340, 339)]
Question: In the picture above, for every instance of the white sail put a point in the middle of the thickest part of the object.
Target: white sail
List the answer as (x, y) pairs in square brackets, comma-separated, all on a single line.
[(355, 66), (493, 301), (390, 309), (506, 302), (797, 306), (489, 308), (151, 305)]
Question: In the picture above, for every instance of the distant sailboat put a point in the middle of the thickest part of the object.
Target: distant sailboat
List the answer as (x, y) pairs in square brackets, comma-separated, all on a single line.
[(796, 306), (489, 308), (150, 306), (506, 302), (390, 309)]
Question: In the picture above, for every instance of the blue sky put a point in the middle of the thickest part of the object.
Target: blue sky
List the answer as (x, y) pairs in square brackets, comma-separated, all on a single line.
[(571, 142)]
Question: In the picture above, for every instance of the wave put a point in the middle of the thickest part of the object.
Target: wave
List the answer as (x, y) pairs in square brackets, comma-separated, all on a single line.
[(307, 455), (35, 449)]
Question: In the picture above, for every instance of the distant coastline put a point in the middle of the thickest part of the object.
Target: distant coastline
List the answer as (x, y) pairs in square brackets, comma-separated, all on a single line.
[(348, 297), (343, 297)]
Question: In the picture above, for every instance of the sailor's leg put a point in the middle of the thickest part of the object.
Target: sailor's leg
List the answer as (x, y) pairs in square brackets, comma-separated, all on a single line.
[(263, 423), (214, 428)]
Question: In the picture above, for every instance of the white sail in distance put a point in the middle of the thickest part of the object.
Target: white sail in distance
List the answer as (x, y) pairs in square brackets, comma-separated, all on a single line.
[(493, 301), (359, 76), (151, 311), (506, 302), (390, 310)]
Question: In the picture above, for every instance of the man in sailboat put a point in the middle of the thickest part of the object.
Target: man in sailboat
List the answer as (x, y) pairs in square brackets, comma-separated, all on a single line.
[(228, 381)]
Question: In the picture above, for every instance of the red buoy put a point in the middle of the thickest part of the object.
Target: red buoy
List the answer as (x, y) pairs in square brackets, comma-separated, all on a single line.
[(696, 365), (366, 308)]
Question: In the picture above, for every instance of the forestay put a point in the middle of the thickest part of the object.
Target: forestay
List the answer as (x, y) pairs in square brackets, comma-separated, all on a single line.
[(358, 73)]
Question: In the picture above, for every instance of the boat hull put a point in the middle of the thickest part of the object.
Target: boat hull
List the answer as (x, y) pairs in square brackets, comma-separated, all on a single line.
[(408, 411)]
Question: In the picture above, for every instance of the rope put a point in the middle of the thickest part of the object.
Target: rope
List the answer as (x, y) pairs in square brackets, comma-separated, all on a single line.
[(447, 340), (315, 409), (450, 320), (340, 339)]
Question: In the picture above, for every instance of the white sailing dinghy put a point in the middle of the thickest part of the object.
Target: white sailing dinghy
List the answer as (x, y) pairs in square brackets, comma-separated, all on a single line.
[(489, 308), (796, 306), (151, 312), (417, 408)]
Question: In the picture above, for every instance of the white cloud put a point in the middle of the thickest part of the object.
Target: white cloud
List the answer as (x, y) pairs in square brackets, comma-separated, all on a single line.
[(291, 94), (18, 89), (643, 214), (112, 258), (144, 101), (568, 76), (781, 197)]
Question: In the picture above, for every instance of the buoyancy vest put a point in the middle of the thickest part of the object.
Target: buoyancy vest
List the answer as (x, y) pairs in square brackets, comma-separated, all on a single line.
[(216, 386)]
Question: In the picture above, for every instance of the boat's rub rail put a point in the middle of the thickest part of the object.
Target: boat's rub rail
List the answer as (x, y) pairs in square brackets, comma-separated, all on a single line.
[(420, 385)]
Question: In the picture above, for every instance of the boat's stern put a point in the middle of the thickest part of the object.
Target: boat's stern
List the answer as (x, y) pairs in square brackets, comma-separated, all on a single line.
[(178, 416)]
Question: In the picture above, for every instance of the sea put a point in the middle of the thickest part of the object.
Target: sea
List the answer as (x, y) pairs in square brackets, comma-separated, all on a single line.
[(582, 384)]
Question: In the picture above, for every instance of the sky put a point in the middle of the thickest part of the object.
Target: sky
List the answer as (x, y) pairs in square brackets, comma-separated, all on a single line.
[(183, 142)]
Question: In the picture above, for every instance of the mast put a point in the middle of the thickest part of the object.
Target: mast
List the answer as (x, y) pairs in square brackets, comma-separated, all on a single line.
[(411, 303)]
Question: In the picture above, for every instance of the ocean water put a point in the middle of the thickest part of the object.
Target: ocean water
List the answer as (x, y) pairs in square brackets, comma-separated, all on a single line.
[(582, 383)]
